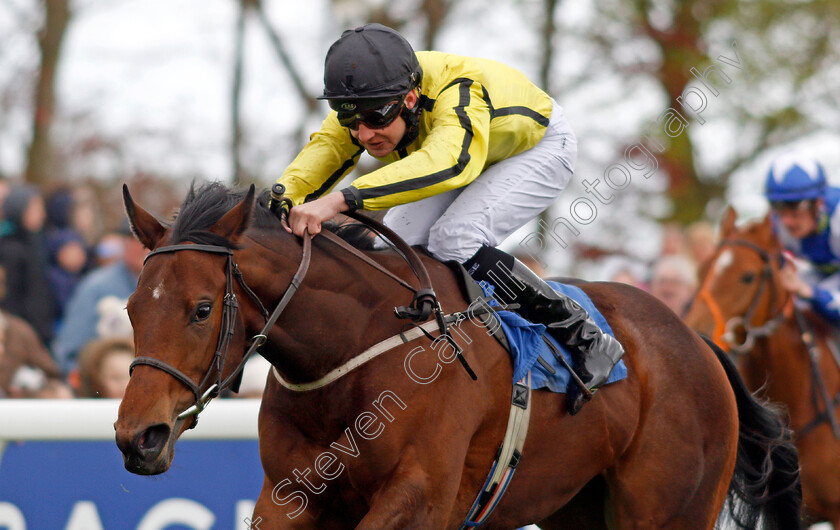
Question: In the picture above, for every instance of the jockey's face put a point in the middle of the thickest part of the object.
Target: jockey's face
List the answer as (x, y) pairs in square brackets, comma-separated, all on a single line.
[(380, 142), (800, 221)]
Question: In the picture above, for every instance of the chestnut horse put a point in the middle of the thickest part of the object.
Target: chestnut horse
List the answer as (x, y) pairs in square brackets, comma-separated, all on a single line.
[(743, 306), (406, 440)]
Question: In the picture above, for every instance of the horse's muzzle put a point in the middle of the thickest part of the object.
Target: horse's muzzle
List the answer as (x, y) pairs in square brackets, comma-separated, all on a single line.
[(143, 452)]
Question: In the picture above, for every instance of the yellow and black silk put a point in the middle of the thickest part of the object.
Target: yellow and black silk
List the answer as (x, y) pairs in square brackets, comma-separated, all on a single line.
[(476, 113)]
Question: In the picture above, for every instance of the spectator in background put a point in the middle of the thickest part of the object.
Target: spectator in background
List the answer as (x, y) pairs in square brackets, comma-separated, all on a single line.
[(627, 277), (26, 367), (55, 389), (67, 258), (103, 367), (623, 269), (23, 254), (702, 241), (673, 240), (4, 190), (59, 210), (82, 315), (673, 281), (108, 249), (61, 215)]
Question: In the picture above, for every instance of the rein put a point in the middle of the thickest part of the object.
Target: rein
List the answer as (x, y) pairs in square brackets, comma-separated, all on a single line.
[(726, 330), (423, 304), (724, 337)]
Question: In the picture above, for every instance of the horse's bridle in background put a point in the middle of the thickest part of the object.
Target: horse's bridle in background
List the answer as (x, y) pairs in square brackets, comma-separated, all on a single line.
[(725, 331), (229, 309)]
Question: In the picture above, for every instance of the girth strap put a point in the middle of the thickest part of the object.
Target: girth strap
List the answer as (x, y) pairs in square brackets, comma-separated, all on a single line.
[(507, 458)]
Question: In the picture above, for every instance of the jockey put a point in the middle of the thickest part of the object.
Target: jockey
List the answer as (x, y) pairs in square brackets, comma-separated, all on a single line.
[(473, 151), (807, 221)]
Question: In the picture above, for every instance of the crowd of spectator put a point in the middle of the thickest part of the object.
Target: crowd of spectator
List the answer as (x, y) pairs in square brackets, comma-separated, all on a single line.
[(672, 277), (64, 285)]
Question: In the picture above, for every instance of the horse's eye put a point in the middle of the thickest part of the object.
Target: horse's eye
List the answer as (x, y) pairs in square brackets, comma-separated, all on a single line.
[(748, 277), (202, 311)]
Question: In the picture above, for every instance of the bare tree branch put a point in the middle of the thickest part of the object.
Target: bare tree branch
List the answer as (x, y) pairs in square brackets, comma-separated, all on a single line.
[(236, 92), (311, 102), (39, 169)]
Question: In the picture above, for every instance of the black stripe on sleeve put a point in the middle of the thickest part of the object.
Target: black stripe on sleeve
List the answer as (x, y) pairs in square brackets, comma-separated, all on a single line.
[(510, 111), (443, 175), (336, 176), (524, 111)]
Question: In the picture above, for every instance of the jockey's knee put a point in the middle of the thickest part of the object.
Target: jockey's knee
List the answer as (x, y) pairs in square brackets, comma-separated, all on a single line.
[(449, 242)]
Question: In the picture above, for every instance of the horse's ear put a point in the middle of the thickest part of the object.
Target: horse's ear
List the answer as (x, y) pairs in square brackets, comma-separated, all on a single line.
[(233, 223), (146, 228), (727, 224), (767, 231)]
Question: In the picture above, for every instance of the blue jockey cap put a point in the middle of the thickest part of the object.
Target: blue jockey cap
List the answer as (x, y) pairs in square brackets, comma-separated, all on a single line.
[(795, 177)]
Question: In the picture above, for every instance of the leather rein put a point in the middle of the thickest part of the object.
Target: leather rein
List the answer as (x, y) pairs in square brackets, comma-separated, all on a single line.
[(422, 306)]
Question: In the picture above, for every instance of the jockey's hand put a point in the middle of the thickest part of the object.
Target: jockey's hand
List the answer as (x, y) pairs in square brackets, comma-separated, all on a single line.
[(791, 281), (310, 215)]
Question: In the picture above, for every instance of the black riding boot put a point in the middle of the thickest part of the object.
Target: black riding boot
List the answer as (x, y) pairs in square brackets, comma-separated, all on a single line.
[(594, 352)]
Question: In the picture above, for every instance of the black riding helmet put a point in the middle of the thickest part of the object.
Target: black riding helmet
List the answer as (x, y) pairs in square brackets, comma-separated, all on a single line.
[(368, 67)]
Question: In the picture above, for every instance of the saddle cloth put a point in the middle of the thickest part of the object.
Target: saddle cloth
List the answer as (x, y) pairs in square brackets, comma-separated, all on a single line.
[(527, 345)]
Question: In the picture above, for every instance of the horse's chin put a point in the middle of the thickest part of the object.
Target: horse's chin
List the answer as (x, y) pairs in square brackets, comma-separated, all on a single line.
[(138, 467)]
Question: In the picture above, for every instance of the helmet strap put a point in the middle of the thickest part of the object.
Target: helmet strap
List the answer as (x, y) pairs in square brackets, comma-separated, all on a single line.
[(411, 116)]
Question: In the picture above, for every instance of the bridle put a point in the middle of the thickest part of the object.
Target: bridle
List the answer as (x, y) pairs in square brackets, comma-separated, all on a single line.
[(230, 307), (423, 305), (725, 330), (725, 333)]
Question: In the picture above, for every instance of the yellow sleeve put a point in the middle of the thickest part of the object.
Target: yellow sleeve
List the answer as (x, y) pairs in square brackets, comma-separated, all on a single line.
[(330, 154), (452, 155)]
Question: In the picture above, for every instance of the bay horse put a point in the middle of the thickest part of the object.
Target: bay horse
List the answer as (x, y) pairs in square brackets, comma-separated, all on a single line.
[(406, 440), (742, 305)]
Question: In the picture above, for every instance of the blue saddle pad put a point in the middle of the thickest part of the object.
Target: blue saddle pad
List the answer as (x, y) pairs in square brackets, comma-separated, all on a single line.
[(526, 342)]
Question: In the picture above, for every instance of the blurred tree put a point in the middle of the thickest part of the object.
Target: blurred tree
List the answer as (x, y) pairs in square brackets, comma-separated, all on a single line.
[(402, 16), (256, 7), (548, 31), (40, 167), (789, 49)]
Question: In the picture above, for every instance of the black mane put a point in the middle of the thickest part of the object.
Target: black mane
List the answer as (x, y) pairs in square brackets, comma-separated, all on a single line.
[(203, 207)]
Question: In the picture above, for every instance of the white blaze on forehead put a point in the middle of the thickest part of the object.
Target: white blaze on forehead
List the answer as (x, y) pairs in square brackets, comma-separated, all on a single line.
[(724, 260), (158, 291)]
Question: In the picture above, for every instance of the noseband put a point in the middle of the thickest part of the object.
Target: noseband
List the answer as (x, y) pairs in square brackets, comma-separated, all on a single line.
[(725, 330), (229, 309)]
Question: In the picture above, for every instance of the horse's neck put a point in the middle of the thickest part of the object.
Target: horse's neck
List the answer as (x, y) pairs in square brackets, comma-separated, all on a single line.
[(341, 307), (781, 364)]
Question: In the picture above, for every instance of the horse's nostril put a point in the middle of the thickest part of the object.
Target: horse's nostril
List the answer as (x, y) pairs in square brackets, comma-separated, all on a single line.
[(153, 438)]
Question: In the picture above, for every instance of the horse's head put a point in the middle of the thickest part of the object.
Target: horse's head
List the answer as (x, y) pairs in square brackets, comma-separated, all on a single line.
[(740, 297), (187, 334)]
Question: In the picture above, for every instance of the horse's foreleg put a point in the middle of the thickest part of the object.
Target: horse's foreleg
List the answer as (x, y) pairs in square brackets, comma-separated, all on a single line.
[(275, 510), (413, 498)]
